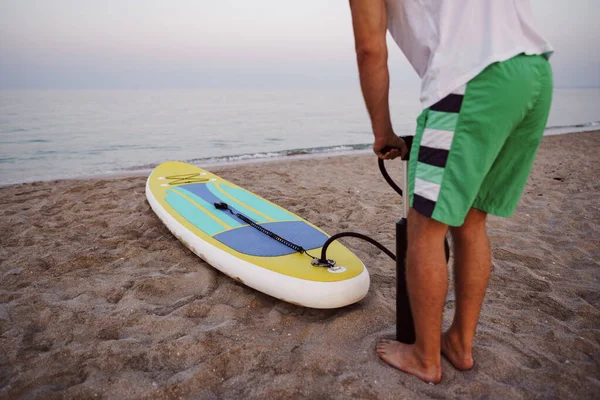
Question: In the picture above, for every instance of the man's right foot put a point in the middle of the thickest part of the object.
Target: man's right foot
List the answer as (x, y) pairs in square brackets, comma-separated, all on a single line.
[(460, 357), (404, 357)]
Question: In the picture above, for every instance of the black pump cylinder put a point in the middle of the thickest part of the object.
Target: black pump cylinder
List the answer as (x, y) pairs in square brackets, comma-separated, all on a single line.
[(405, 328)]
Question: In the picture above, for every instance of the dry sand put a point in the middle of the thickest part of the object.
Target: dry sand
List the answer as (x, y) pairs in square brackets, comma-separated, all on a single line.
[(99, 300)]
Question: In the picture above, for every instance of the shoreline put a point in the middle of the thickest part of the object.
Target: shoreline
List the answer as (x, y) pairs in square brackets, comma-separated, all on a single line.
[(220, 165)]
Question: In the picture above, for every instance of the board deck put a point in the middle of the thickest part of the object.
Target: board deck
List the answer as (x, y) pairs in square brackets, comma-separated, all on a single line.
[(183, 197)]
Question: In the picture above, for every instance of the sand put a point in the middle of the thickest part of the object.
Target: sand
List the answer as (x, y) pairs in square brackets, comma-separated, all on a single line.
[(99, 300)]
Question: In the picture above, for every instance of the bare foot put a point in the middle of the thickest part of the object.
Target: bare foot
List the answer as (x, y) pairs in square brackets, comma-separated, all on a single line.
[(460, 357), (404, 357)]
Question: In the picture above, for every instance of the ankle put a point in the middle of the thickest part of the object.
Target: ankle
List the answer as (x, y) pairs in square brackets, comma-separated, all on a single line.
[(427, 361), (458, 341)]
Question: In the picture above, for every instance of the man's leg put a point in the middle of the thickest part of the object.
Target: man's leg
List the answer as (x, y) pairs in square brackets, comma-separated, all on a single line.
[(427, 278), (472, 262)]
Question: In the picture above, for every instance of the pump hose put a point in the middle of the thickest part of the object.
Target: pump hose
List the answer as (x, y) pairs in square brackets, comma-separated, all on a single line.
[(356, 235)]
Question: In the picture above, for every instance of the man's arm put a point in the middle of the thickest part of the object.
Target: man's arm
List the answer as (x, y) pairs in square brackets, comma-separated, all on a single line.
[(369, 20)]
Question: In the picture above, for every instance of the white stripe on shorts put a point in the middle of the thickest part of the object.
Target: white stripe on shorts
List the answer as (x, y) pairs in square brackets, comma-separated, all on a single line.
[(437, 139), (426, 189)]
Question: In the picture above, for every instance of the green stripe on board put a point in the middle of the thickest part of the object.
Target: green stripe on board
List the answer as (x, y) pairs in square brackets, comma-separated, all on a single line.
[(429, 173), (442, 120)]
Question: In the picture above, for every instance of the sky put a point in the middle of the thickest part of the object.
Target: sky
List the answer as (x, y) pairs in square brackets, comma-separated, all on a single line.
[(139, 44)]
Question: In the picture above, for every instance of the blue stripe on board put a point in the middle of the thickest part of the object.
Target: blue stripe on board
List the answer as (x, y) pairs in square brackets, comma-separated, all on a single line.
[(260, 205), (223, 216), (193, 214), (250, 241)]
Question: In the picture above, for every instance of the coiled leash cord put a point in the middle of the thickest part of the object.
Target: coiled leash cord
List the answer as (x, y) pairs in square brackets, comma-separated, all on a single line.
[(225, 207)]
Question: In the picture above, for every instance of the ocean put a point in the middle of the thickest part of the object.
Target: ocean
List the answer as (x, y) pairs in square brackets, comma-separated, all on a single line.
[(55, 134)]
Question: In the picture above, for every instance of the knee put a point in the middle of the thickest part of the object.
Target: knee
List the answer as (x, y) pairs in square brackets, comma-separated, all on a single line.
[(421, 227), (474, 225)]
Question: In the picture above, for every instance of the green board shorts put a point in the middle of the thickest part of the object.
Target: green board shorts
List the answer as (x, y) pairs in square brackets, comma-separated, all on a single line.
[(476, 150)]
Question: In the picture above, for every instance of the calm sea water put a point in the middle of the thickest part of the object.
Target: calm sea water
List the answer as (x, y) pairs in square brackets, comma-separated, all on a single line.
[(60, 134)]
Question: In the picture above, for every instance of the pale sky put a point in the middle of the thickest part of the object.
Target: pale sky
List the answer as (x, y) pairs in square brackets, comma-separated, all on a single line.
[(231, 43)]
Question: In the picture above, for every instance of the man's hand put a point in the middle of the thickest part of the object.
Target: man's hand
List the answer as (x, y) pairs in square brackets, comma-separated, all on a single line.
[(390, 147)]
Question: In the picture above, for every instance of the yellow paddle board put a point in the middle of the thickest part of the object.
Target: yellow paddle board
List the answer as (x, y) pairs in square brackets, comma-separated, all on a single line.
[(184, 196)]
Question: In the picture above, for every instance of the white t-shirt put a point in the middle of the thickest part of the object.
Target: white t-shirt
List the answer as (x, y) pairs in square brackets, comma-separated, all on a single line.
[(449, 42)]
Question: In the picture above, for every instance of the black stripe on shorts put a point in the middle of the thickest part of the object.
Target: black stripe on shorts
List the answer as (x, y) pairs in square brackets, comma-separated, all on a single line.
[(449, 104), (431, 156), (423, 206)]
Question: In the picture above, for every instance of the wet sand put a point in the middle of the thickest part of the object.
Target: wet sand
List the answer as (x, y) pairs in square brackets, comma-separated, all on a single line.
[(99, 300)]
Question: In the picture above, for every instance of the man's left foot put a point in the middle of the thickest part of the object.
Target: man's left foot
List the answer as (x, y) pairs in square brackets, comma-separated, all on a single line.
[(405, 358)]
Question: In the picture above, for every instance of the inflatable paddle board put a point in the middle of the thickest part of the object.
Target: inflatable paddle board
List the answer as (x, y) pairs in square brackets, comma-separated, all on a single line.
[(221, 223)]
